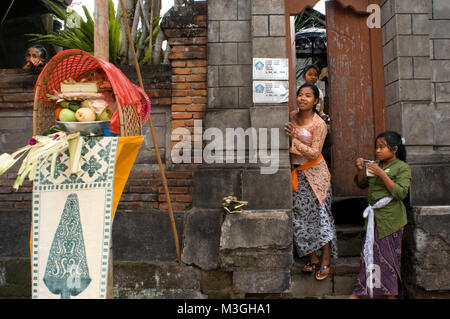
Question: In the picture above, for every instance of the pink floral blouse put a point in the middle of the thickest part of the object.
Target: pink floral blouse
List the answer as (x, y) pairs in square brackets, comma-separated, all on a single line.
[(307, 146)]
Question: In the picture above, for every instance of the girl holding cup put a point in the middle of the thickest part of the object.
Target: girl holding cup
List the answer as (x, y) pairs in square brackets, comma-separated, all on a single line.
[(387, 186)]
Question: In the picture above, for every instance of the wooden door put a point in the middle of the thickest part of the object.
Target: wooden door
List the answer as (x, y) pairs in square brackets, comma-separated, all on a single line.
[(356, 91)]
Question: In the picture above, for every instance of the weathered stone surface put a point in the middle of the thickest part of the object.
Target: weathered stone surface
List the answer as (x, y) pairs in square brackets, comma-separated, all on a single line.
[(394, 117), (392, 93), (257, 229), (223, 97), (434, 220), (147, 275), (412, 6), (153, 293), (223, 119), (257, 258), (222, 10), (269, 47), (349, 240), (245, 97), (259, 189), (414, 90), (222, 53), (279, 115), (260, 281), (244, 9), (390, 51), (15, 278), (441, 69), (420, 24), (277, 25), (441, 9), (267, 7), (418, 123), (427, 253), (428, 184), (443, 92), (416, 45), (202, 237), (213, 185), (422, 68), (305, 285), (439, 29), (235, 75), (15, 234), (442, 124), (216, 280), (213, 77), (145, 236), (260, 26), (213, 31), (235, 31), (245, 53), (343, 285), (441, 49)]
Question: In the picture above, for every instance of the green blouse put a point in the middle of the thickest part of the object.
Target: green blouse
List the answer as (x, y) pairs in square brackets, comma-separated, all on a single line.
[(392, 217)]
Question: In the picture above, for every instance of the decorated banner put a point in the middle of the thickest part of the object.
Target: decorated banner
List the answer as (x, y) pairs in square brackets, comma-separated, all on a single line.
[(72, 223)]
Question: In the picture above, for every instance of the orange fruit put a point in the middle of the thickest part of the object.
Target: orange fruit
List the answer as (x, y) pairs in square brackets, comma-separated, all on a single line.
[(57, 111)]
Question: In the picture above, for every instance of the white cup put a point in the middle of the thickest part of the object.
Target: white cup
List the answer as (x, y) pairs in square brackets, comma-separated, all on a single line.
[(367, 168)]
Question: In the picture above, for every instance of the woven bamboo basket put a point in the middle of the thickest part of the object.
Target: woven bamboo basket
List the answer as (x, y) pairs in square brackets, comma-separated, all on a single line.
[(131, 101)]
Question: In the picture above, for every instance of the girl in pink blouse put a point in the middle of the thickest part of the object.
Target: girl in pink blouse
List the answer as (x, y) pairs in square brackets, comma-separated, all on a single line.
[(314, 230)]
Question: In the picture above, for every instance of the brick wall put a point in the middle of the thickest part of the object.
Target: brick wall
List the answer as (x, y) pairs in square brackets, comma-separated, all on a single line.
[(16, 121)]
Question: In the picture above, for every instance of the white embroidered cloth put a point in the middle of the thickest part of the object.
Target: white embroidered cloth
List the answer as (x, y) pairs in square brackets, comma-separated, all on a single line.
[(368, 244), (72, 224)]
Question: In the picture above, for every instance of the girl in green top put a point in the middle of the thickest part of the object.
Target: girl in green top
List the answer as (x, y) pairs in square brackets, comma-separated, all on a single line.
[(389, 176)]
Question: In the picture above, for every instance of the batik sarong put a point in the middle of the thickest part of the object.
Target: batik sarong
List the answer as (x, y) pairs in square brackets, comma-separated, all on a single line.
[(313, 223), (386, 273)]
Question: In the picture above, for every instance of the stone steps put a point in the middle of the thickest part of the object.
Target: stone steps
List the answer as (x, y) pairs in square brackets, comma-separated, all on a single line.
[(349, 240), (344, 272)]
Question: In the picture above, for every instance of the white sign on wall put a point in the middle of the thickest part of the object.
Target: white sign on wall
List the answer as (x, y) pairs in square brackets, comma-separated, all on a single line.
[(270, 69), (270, 91)]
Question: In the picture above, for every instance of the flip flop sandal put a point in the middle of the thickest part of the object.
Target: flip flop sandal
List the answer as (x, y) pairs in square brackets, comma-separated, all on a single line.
[(318, 273), (310, 267)]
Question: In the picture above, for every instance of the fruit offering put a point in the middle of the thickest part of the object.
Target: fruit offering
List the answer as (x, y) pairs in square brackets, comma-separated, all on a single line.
[(81, 102)]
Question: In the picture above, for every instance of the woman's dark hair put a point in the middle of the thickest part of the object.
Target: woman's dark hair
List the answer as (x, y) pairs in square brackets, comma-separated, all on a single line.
[(394, 139), (315, 91), (310, 66)]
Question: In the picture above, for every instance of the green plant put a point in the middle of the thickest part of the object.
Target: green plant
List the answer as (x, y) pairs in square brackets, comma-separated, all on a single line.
[(7, 11), (82, 37)]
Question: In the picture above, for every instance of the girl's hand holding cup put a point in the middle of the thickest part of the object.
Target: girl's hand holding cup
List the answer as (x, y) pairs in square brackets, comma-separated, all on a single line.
[(359, 163)]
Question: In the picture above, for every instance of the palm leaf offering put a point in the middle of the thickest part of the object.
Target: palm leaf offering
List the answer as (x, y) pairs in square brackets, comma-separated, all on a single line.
[(232, 205), (42, 147)]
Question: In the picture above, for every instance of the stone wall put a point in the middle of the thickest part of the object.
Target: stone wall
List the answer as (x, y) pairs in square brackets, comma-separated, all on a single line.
[(416, 84), (416, 42), (256, 246)]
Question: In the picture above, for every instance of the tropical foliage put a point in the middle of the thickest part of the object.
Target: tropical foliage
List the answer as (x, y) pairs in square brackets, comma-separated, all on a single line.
[(82, 36)]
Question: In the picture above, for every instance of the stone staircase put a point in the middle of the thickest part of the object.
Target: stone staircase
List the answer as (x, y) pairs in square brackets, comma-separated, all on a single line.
[(344, 270)]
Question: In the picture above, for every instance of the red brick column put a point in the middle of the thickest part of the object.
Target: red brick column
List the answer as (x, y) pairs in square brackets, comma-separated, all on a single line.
[(187, 35)]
